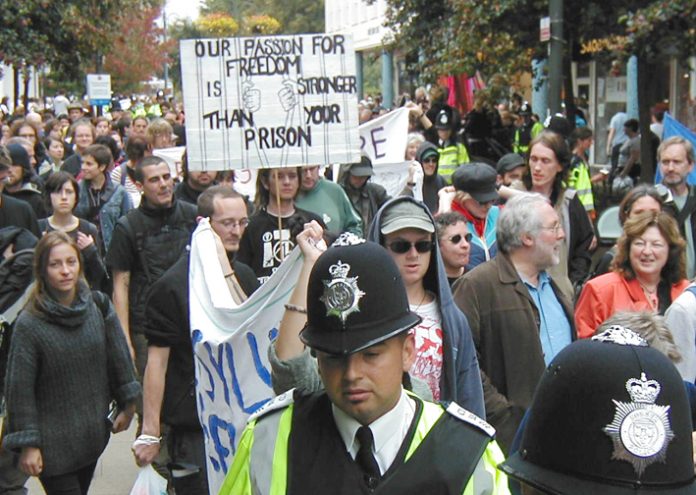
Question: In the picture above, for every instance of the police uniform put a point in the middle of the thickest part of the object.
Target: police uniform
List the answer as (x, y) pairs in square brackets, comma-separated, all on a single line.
[(303, 444), (528, 131), (452, 153)]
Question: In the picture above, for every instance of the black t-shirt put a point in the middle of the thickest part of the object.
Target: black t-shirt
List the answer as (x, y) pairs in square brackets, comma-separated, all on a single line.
[(18, 213), (168, 325), (263, 248)]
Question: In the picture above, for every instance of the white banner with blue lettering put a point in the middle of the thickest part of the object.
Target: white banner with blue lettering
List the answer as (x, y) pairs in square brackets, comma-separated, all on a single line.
[(230, 343)]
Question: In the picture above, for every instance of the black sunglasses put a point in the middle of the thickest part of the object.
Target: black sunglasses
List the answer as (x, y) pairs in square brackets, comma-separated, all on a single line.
[(456, 239), (401, 246)]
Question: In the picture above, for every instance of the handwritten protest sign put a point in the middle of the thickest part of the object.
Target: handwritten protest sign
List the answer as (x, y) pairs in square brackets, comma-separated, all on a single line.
[(270, 101), (230, 343)]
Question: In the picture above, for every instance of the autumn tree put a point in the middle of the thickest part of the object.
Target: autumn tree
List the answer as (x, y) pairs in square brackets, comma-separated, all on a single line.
[(294, 16), (138, 51)]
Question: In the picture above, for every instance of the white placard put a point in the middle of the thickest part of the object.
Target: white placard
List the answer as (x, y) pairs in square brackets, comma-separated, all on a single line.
[(230, 344), (384, 139), (270, 101)]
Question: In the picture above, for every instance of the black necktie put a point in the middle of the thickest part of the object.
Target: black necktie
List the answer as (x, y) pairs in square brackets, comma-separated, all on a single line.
[(365, 459)]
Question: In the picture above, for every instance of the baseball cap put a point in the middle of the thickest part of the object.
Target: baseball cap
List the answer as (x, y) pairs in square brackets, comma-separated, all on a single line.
[(400, 214)]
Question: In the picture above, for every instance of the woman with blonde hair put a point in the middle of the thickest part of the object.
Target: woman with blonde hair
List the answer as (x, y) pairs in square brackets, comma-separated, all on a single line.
[(648, 273), (68, 361)]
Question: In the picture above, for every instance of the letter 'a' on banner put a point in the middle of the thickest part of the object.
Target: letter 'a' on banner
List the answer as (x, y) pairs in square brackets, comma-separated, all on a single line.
[(270, 101)]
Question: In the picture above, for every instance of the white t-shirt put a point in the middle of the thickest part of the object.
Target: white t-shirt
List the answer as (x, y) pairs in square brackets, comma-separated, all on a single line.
[(429, 354)]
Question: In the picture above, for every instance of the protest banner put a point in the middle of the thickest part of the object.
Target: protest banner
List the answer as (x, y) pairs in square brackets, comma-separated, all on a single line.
[(230, 344), (270, 101), (173, 157)]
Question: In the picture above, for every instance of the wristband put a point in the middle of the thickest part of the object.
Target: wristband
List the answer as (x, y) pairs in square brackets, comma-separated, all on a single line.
[(147, 440), (296, 309)]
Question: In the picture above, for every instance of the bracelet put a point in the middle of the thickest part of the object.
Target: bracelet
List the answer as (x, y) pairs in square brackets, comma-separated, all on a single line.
[(296, 309), (147, 440)]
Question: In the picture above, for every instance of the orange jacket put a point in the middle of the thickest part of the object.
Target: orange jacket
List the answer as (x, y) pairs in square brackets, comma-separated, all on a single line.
[(608, 294)]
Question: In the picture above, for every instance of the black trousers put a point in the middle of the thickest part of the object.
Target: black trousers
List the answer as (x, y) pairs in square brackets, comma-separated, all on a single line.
[(74, 483)]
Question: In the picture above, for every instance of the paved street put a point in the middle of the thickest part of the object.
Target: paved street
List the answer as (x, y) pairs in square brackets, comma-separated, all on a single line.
[(115, 472)]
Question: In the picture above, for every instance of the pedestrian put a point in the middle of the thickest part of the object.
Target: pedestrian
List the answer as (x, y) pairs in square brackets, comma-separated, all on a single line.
[(68, 361), (648, 273), (364, 433)]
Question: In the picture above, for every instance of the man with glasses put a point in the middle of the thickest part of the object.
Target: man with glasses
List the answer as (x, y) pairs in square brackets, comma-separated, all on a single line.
[(519, 317), (676, 156), (476, 195), (328, 200), (168, 386)]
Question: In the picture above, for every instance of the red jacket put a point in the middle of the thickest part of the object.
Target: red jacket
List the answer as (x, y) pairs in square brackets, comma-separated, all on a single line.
[(608, 294)]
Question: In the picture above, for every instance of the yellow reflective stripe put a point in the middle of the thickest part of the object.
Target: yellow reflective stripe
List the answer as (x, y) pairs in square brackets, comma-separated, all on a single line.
[(237, 480), (429, 416), (279, 471)]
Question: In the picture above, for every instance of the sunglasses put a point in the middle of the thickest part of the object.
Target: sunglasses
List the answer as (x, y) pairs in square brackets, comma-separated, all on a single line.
[(401, 246), (456, 239)]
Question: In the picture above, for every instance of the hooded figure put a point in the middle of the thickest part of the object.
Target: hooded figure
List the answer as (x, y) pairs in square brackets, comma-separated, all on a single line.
[(460, 380), (432, 182)]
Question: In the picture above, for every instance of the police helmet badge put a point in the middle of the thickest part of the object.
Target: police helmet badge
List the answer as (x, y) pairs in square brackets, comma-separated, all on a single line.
[(617, 334), (641, 429), (341, 293)]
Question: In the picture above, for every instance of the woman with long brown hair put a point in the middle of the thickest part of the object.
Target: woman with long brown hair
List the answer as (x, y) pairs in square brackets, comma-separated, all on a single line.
[(68, 360), (648, 273)]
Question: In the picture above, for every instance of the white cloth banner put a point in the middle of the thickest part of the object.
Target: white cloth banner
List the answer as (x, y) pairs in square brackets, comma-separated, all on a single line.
[(230, 344), (270, 101), (384, 139), (393, 177), (173, 157)]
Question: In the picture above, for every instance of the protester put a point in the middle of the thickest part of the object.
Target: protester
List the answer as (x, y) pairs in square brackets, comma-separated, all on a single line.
[(54, 158), (101, 201), (136, 150), (20, 183), (618, 405), (61, 194), (549, 159), (638, 200), (193, 183), (647, 273), (520, 319), (160, 135), (328, 200), (14, 212), (169, 383), (68, 361), (511, 168), (454, 240), (363, 348), (475, 201), (428, 156), (365, 196), (145, 243), (263, 247), (82, 135)]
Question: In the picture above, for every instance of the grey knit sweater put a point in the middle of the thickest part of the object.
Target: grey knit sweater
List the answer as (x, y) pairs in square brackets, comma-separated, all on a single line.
[(65, 366)]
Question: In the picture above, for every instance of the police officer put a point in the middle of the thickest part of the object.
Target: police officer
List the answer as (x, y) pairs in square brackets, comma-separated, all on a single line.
[(364, 433), (452, 153), (611, 416), (528, 130)]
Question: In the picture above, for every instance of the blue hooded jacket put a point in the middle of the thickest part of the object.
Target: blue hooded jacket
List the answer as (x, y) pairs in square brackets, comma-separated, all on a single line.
[(460, 380)]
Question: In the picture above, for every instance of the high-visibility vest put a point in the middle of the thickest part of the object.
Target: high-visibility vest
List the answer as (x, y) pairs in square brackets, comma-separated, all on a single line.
[(451, 157), (524, 136), (579, 179), (260, 464)]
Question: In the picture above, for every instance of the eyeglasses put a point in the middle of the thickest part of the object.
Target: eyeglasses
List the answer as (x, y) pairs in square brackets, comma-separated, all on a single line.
[(430, 160), (556, 228), (456, 239), (401, 246), (233, 224)]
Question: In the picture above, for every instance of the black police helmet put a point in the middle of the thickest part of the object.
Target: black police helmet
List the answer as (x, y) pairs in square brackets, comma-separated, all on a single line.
[(355, 298), (610, 416)]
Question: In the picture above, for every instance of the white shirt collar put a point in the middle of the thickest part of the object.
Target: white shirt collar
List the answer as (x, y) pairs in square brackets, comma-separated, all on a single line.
[(388, 431)]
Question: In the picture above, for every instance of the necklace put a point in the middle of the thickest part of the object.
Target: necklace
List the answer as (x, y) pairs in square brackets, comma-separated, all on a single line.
[(648, 291), (425, 294), (651, 296)]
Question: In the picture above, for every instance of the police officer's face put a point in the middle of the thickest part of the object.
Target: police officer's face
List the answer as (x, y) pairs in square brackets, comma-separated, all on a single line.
[(367, 384)]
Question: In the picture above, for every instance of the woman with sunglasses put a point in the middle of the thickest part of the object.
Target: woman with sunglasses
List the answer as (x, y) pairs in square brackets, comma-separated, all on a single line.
[(454, 240)]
